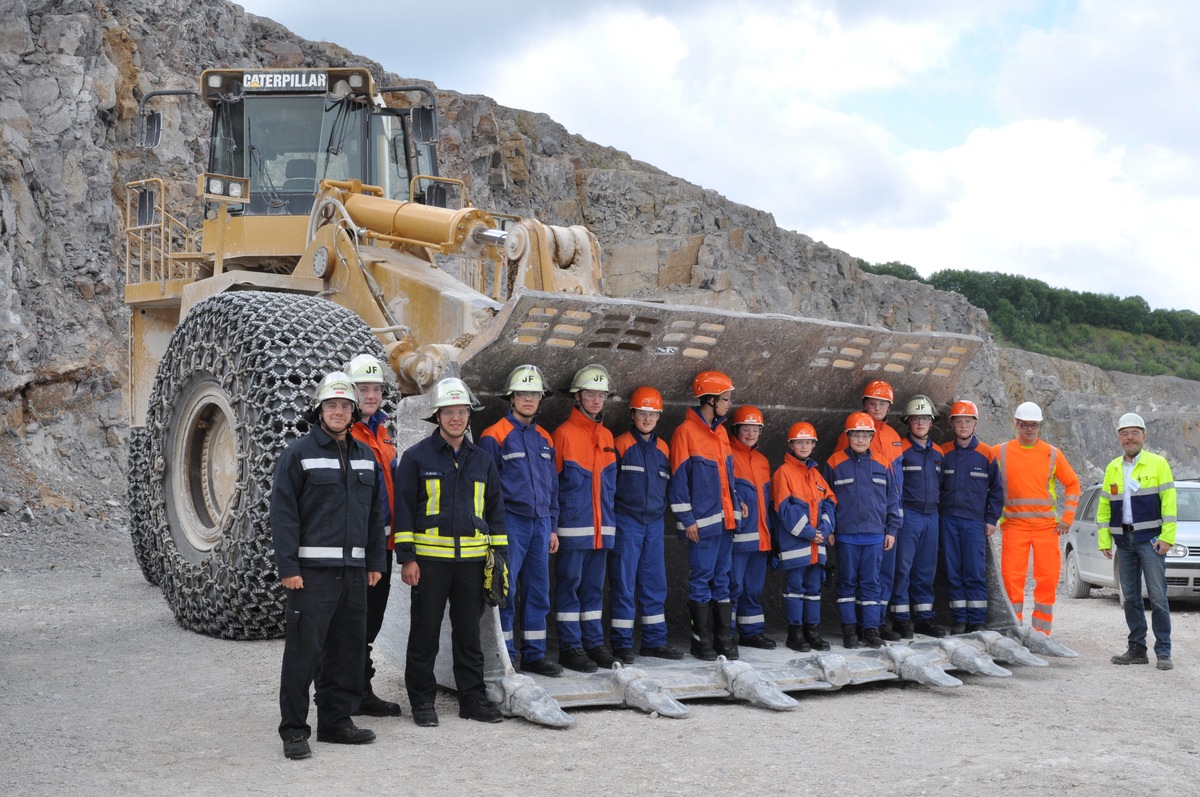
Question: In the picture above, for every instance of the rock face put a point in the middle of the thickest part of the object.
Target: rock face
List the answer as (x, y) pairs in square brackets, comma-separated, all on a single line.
[(73, 72)]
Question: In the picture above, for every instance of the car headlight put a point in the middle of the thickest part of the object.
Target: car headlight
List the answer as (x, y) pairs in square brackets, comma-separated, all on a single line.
[(1178, 550)]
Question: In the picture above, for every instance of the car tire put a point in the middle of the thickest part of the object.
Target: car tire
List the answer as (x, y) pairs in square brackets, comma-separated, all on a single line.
[(1076, 586)]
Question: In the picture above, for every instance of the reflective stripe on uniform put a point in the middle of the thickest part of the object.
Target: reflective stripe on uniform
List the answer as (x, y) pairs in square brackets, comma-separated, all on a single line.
[(653, 619), (328, 552), (362, 464), (576, 531), (480, 492), (433, 500), (747, 619), (750, 536), (622, 623), (320, 462)]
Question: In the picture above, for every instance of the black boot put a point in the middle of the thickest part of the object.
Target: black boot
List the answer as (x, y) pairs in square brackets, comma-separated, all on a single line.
[(850, 636), (702, 638), (374, 706), (723, 643), (904, 628), (871, 637), (887, 634), (759, 640), (812, 635), (929, 627), (796, 640)]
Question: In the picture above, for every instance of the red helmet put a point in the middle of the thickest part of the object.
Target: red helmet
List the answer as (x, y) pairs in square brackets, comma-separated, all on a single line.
[(860, 422), (966, 408), (646, 398), (878, 389), (747, 414), (711, 383), (802, 431)]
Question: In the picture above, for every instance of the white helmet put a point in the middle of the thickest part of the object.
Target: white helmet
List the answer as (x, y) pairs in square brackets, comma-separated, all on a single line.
[(453, 392), (526, 379), (1131, 420), (335, 384), (591, 377), (365, 369), (1028, 411), (919, 405)]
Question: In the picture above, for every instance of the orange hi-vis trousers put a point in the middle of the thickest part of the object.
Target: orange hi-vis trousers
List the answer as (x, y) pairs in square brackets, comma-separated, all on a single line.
[(1017, 541)]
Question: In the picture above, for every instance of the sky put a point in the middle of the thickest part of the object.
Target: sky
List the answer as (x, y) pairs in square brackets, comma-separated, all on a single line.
[(1056, 139)]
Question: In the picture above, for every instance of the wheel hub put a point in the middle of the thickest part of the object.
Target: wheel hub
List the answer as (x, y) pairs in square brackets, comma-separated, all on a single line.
[(204, 465)]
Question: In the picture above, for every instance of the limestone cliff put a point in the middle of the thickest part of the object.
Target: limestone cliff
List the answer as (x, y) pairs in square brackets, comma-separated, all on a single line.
[(73, 71)]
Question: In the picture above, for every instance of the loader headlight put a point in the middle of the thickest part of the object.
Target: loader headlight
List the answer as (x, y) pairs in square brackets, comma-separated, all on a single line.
[(216, 185), (235, 190)]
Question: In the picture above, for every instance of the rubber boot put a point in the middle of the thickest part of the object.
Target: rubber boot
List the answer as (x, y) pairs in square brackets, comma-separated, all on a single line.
[(722, 614), (812, 635), (872, 638), (702, 639), (796, 640), (850, 636)]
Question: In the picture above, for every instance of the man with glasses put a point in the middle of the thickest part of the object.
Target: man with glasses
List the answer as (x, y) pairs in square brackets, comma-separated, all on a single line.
[(1029, 467), (702, 500), (1137, 511)]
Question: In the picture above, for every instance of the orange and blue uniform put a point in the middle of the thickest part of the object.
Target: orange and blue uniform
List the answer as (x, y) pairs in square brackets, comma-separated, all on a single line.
[(752, 540), (804, 504), (524, 456), (701, 492), (586, 457)]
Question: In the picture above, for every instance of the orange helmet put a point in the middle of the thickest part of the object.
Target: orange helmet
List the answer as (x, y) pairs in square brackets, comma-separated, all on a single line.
[(802, 431), (749, 415), (710, 383), (878, 389), (860, 422), (966, 408), (646, 398)]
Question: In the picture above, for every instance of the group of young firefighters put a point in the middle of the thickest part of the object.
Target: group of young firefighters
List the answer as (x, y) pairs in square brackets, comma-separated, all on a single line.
[(464, 515)]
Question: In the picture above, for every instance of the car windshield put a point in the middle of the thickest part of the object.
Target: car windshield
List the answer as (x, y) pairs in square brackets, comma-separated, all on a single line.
[(1188, 504)]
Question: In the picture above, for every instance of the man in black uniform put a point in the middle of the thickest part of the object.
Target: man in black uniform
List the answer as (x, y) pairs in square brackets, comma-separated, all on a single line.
[(327, 526), (449, 512)]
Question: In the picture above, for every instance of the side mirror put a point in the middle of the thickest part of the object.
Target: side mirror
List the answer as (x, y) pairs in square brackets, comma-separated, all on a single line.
[(151, 133)]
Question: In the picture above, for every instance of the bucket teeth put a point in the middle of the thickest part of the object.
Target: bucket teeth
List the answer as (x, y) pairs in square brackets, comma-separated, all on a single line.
[(521, 697), (922, 668), (1009, 650), (835, 667), (645, 694), (747, 683), (1040, 643), (968, 658)]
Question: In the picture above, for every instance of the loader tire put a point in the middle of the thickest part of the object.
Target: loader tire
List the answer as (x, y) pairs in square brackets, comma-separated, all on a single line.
[(141, 528), (229, 395)]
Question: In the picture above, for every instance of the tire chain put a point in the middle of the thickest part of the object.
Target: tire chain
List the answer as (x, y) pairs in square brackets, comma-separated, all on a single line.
[(268, 351), (141, 528)]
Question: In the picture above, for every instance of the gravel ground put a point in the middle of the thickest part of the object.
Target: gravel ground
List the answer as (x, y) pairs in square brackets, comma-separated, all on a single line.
[(103, 694)]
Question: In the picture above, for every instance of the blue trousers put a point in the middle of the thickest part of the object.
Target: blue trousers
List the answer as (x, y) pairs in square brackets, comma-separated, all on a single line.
[(579, 597), (637, 580), (858, 582), (1133, 563), (964, 550), (709, 563), (916, 565), (802, 595), (746, 578), (529, 585)]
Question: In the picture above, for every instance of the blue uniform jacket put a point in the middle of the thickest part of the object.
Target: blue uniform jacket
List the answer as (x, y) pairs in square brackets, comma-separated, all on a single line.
[(701, 488), (643, 471), (971, 485), (867, 497), (524, 456), (922, 476)]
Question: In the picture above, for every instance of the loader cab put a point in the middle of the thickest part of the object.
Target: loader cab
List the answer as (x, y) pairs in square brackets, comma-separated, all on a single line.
[(286, 130)]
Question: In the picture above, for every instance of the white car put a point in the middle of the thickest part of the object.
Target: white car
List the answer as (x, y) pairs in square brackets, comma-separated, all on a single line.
[(1085, 567)]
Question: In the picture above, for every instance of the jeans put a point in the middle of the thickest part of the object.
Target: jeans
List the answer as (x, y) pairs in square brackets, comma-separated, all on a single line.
[(1133, 562)]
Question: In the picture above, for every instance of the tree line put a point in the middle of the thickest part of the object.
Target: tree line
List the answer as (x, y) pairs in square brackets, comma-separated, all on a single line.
[(1021, 307)]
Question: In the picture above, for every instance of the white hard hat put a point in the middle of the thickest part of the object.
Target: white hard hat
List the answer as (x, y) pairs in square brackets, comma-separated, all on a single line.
[(919, 405), (1131, 420), (365, 369), (591, 377), (1028, 411), (453, 392), (335, 384), (525, 379)]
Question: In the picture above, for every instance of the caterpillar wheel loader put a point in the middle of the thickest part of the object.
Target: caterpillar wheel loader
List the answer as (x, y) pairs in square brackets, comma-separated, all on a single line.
[(327, 231)]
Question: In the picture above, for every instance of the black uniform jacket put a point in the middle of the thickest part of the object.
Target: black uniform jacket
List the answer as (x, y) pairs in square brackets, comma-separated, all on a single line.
[(326, 506)]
